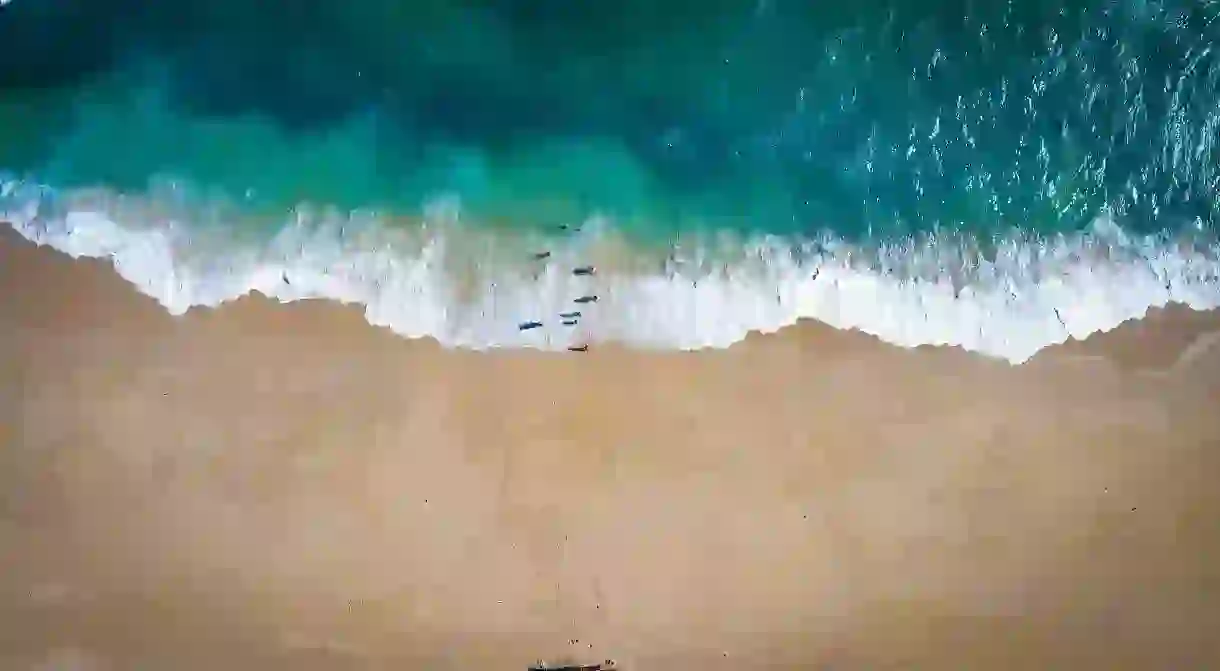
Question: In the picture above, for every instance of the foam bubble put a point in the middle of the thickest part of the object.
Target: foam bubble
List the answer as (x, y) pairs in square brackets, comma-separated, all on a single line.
[(468, 287)]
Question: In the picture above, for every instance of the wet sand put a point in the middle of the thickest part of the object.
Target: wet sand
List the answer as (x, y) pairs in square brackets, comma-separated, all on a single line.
[(268, 486)]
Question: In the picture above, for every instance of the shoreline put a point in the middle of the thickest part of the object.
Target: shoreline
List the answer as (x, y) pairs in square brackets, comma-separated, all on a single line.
[(502, 293), (266, 485)]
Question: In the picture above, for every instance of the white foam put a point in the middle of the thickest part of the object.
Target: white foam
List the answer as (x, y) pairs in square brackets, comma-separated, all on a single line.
[(1028, 295)]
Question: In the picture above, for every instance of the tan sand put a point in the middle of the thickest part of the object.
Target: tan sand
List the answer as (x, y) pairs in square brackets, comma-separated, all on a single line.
[(284, 487)]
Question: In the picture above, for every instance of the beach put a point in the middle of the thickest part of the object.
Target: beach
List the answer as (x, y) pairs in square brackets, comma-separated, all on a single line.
[(479, 335), (283, 486)]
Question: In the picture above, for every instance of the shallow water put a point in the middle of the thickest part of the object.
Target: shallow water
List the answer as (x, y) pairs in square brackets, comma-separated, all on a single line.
[(996, 175)]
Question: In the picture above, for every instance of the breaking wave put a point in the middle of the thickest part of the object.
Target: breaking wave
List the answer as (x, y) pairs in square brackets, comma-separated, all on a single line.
[(475, 287)]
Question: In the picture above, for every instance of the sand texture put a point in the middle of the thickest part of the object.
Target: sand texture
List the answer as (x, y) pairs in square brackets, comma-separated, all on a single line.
[(268, 486)]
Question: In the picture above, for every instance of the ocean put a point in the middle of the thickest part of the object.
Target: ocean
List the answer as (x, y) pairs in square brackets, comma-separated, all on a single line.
[(995, 175)]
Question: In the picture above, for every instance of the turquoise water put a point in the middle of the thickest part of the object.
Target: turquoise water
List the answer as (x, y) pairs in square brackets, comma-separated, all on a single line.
[(882, 125)]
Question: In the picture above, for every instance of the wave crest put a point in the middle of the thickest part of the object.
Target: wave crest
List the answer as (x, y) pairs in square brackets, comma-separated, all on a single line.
[(469, 286)]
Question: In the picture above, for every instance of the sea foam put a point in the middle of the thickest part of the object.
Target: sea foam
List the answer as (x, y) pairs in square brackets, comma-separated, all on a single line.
[(468, 287)]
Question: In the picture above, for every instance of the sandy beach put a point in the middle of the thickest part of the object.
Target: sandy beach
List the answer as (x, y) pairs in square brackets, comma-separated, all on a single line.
[(267, 486)]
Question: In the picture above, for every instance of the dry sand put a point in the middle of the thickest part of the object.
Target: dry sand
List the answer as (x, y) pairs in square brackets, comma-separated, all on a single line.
[(284, 487)]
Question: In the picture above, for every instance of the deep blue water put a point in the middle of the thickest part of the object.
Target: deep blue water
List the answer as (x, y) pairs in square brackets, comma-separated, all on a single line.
[(771, 115)]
